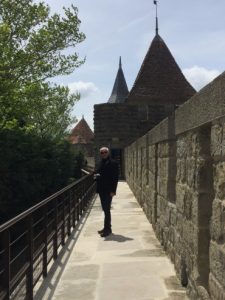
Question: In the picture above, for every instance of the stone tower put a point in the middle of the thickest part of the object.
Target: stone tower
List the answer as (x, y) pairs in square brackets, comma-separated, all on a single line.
[(159, 88)]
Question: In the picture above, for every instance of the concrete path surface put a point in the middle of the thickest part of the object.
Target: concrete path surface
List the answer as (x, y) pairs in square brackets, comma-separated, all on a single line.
[(127, 265)]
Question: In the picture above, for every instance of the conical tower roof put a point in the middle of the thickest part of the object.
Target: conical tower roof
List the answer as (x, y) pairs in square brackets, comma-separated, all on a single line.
[(81, 133), (160, 80), (120, 90)]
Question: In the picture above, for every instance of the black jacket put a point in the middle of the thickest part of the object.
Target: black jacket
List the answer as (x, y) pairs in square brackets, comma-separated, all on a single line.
[(108, 176)]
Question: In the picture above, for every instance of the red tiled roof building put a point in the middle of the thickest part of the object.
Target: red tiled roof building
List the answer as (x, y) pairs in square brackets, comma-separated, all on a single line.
[(82, 137)]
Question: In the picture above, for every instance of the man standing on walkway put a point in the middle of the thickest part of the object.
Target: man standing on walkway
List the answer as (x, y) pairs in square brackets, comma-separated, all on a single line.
[(107, 179)]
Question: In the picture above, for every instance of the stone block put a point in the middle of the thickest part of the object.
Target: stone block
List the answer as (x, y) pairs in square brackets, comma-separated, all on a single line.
[(195, 212), (172, 235), (219, 180), (181, 175), (163, 167), (177, 264), (217, 262), (151, 151), (151, 165), (218, 221), (159, 205), (215, 288), (163, 150), (180, 197), (180, 224), (182, 149), (216, 141), (173, 217), (162, 187), (151, 180), (223, 139), (189, 198), (190, 171), (189, 234), (203, 176)]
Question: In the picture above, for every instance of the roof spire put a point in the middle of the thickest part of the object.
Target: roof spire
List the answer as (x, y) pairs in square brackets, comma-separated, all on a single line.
[(120, 90), (156, 19)]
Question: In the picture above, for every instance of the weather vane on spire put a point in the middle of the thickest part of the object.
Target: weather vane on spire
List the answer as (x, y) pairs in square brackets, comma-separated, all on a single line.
[(120, 63), (157, 27)]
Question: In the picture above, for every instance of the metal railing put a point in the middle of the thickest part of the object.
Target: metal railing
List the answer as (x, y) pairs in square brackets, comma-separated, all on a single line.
[(31, 240)]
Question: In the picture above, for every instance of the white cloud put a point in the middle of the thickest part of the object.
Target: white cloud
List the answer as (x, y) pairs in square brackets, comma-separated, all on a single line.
[(133, 23), (199, 76), (84, 88)]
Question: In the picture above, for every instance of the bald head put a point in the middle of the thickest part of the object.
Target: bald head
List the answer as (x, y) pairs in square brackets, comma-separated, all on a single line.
[(104, 152)]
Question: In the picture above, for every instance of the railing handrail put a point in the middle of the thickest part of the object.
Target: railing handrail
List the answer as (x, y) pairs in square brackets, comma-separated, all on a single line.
[(27, 249), (85, 171), (32, 209)]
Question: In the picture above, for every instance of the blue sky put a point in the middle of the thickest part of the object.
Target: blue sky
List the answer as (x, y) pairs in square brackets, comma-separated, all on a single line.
[(194, 31)]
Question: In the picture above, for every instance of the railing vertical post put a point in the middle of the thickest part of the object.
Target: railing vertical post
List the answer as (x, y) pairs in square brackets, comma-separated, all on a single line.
[(30, 257), (84, 194), (81, 199), (63, 221), (69, 213), (55, 238), (74, 208), (78, 203), (45, 240), (6, 262)]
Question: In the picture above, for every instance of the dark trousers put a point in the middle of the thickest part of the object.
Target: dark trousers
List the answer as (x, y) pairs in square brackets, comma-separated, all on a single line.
[(106, 201)]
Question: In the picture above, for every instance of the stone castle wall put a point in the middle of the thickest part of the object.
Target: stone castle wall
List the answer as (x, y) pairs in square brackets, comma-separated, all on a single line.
[(115, 126), (177, 173), (113, 123)]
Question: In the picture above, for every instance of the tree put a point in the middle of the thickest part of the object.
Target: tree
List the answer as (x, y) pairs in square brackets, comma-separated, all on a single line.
[(34, 47), (32, 168), (48, 109)]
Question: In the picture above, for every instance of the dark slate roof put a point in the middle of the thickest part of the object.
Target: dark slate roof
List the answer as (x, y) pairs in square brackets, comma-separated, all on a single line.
[(81, 133), (120, 90), (160, 80)]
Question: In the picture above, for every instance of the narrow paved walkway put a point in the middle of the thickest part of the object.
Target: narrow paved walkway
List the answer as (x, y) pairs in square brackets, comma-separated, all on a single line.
[(128, 265)]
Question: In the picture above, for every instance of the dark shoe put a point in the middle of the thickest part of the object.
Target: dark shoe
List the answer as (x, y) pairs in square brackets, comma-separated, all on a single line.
[(106, 233), (101, 231)]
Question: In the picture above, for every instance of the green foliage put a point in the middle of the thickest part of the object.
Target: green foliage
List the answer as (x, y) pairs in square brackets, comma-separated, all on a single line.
[(35, 46), (32, 168), (78, 164), (48, 111)]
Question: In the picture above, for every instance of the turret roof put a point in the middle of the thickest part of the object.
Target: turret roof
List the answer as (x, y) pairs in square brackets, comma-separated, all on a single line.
[(120, 90), (160, 80)]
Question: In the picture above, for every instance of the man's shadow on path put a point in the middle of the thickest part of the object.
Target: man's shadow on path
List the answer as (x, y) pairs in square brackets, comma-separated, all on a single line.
[(118, 238)]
